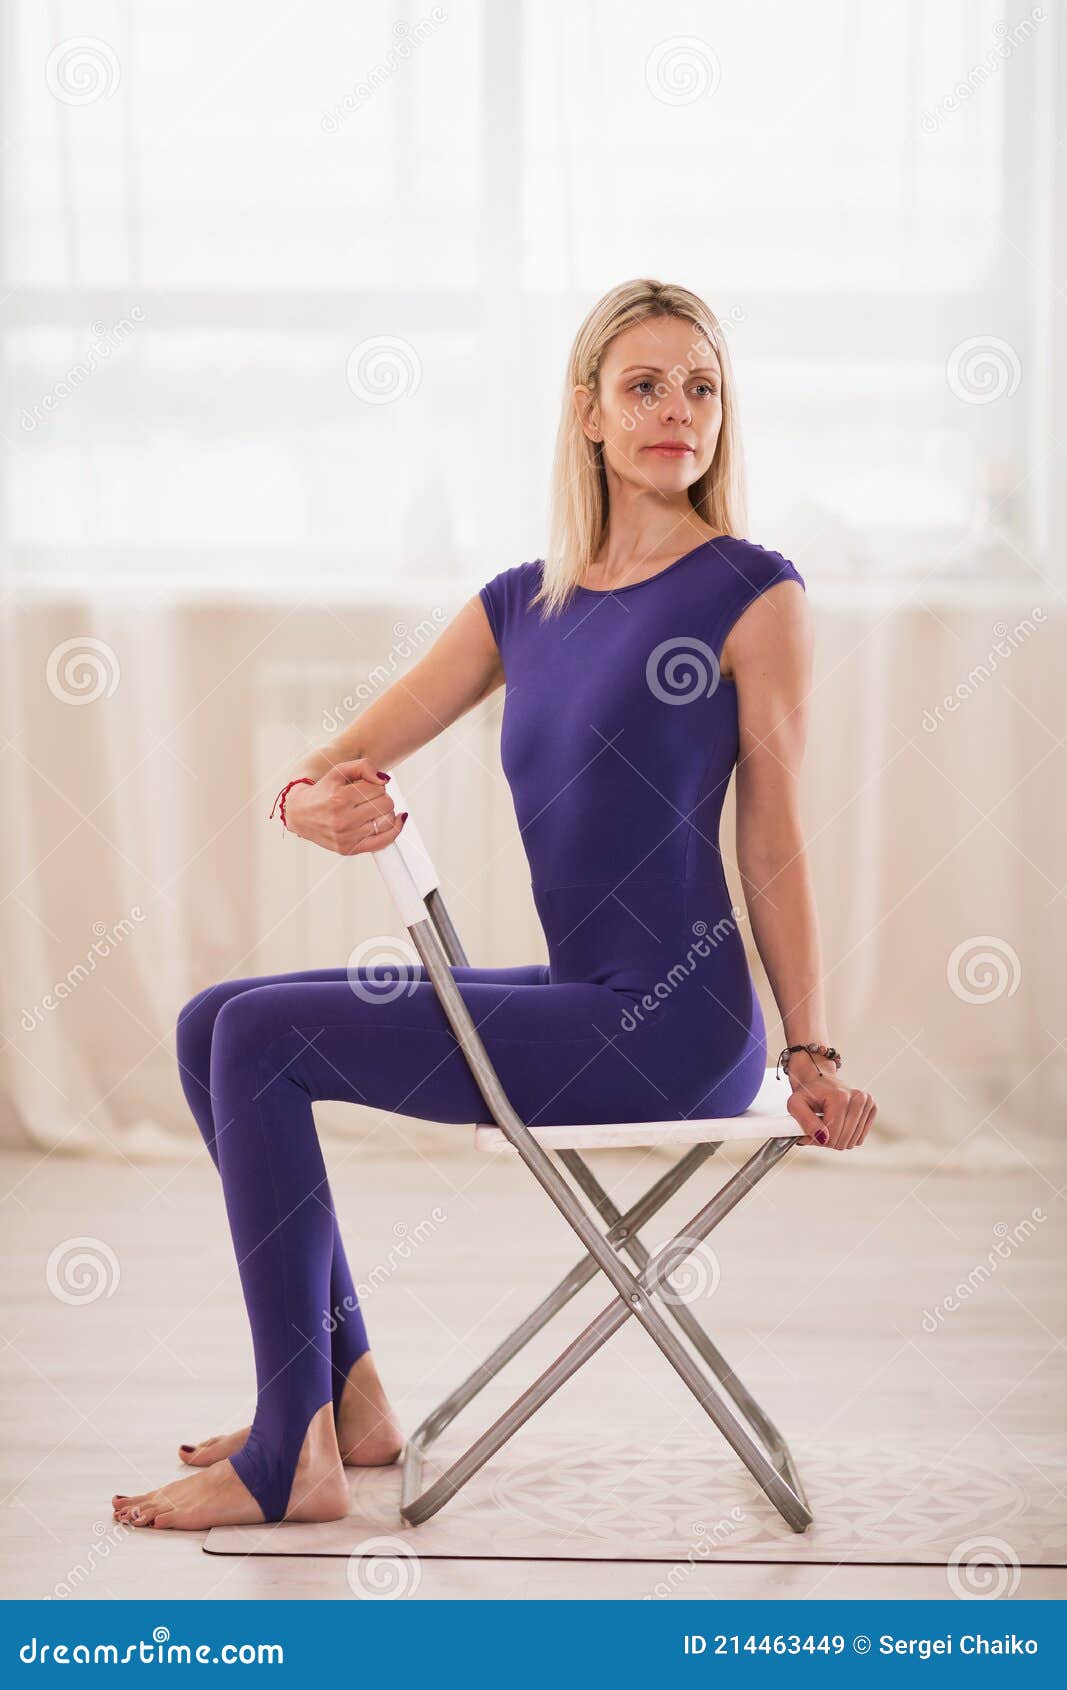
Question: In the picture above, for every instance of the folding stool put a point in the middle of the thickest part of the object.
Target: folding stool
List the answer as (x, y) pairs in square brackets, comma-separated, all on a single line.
[(413, 883)]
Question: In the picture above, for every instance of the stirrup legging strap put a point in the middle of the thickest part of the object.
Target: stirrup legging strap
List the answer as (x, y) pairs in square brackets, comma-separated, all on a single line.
[(256, 1053)]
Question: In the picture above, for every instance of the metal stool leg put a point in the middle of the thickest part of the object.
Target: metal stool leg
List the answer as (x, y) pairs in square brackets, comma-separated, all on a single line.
[(792, 1507), (623, 1232), (434, 938), (557, 1299)]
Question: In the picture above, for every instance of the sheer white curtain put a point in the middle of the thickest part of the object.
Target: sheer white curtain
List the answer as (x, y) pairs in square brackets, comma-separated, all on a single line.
[(287, 306), (292, 299)]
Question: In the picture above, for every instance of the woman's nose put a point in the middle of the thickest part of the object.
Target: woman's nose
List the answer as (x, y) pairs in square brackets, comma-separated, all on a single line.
[(676, 409)]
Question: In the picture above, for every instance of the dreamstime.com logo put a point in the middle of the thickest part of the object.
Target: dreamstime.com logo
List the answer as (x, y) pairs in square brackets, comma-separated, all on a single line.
[(407, 38), (82, 1270), (681, 69), (383, 968), (703, 945), (105, 341), (1007, 37), (107, 940), (382, 369), (384, 1568), (984, 968), (1008, 1240), (107, 1538), (408, 1239), (82, 70), (681, 669), (700, 353), (983, 369), (1006, 641), (405, 645), (81, 670), (160, 1650), (696, 1277), (707, 1539), (983, 1569)]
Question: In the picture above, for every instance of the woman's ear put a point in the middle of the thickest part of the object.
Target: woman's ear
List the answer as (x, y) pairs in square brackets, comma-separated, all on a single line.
[(585, 407)]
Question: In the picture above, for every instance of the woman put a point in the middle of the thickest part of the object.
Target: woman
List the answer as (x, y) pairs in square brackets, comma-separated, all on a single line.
[(652, 651)]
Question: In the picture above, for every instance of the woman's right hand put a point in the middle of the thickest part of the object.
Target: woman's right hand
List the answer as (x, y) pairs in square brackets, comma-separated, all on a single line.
[(347, 810)]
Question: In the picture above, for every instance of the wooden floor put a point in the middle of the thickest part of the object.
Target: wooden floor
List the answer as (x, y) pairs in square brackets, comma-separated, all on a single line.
[(831, 1304)]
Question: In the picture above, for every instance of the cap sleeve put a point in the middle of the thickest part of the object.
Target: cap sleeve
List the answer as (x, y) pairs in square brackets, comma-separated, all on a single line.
[(491, 596), (752, 571), (504, 598)]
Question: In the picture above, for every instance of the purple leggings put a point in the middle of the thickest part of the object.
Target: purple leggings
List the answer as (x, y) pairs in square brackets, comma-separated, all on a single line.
[(255, 1054)]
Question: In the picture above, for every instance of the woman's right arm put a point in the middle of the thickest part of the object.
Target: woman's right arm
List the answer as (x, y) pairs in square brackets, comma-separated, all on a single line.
[(461, 668)]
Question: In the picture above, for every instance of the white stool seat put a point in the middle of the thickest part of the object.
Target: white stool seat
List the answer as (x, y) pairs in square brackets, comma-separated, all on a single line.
[(765, 1117)]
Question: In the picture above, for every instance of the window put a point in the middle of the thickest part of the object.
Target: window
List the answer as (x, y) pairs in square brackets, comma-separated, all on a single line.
[(291, 304)]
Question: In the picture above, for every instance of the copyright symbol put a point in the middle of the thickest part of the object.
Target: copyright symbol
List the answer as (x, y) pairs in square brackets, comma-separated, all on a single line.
[(861, 1645)]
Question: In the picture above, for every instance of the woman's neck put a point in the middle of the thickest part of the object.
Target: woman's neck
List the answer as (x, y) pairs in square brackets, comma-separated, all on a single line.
[(625, 558)]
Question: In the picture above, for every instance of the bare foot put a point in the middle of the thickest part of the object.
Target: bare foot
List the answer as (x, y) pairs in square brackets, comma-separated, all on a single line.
[(367, 1434), (210, 1450), (217, 1497)]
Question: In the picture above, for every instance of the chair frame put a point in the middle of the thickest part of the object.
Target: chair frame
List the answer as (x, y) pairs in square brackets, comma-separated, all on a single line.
[(409, 874)]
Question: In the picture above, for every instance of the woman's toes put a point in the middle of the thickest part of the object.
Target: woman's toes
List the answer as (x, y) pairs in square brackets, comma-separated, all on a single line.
[(173, 1519), (214, 1497), (126, 1507), (210, 1450), (195, 1455), (141, 1514)]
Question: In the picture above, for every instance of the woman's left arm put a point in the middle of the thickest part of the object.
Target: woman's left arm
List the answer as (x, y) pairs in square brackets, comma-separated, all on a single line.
[(771, 650)]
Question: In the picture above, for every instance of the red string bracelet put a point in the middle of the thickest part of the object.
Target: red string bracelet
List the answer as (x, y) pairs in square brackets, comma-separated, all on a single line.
[(301, 780)]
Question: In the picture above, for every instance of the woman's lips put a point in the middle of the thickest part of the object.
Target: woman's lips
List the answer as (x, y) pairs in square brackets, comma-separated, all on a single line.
[(679, 451)]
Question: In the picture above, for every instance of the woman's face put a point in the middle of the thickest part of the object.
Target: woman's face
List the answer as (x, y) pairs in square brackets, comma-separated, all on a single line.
[(659, 409)]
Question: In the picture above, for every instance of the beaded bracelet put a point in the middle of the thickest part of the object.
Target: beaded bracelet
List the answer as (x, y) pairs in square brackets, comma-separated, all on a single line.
[(813, 1050), (301, 780)]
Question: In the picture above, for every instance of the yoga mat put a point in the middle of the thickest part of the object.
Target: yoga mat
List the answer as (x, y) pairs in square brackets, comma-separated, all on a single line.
[(982, 1510)]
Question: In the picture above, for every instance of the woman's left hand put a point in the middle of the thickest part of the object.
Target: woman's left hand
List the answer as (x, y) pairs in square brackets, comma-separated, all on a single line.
[(832, 1114)]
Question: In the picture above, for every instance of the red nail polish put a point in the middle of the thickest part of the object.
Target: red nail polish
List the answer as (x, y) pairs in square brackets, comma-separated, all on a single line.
[(404, 815), (821, 1136), (382, 775)]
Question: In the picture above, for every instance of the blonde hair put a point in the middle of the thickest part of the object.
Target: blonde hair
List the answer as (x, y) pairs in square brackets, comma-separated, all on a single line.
[(579, 489)]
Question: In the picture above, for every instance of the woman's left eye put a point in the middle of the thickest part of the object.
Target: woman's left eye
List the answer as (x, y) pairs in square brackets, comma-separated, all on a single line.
[(646, 381)]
